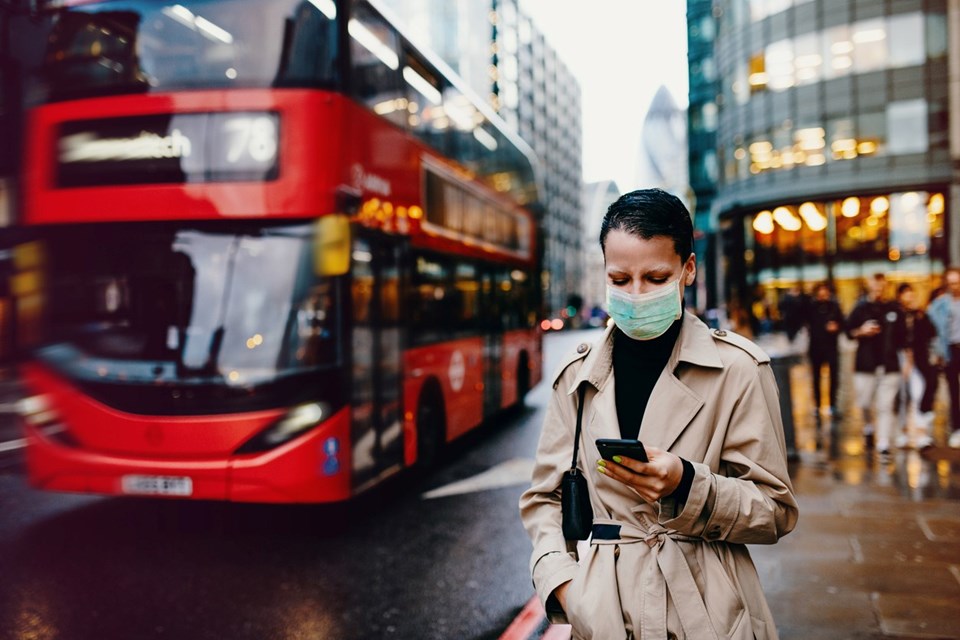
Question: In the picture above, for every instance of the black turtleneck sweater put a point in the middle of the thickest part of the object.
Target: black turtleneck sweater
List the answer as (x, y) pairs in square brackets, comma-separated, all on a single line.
[(637, 365)]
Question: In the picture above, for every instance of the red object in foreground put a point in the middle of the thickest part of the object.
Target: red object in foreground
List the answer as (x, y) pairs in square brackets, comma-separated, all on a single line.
[(279, 254)]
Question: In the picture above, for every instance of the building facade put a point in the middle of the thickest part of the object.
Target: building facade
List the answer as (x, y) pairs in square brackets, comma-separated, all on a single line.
[(504, 57), (702, 119), (597, 198), (535, 92), (833, 145)]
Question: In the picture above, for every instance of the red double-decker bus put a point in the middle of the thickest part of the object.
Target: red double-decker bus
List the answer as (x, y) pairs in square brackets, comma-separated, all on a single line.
[(283, 253)]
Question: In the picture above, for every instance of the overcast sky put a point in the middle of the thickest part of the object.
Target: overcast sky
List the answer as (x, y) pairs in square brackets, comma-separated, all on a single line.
[(621, 51)]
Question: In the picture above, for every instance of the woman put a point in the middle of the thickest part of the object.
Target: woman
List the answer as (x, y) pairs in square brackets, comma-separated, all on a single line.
[(667, 555)]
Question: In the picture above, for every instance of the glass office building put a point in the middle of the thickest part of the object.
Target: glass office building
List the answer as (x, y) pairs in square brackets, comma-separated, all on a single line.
[(832, 145)]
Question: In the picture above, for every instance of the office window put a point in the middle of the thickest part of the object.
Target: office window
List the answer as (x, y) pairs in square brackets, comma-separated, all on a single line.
[(842, 137), (907, 47), (837, 52), (779, 65), (936, 35), (869, 39), (808, 58), (907, 130), (872, 128)]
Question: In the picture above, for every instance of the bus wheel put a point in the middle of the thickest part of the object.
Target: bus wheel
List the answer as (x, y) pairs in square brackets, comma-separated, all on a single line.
[(523, 378), (430, 427)]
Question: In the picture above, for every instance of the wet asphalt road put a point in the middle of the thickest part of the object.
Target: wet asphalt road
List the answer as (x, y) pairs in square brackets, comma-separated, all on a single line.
[(391, 565)]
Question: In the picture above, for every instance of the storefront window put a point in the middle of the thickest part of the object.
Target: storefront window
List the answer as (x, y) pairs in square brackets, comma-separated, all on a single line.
[(909, 227)]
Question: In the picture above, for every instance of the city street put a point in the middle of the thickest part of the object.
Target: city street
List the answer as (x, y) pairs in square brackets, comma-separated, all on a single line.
[(876, 553), (393, 565)]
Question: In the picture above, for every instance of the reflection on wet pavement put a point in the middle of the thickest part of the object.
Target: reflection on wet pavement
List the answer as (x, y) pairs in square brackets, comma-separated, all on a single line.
[(932, 473)]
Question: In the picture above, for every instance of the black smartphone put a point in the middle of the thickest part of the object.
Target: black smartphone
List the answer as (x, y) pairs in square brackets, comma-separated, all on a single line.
[(610, 447)]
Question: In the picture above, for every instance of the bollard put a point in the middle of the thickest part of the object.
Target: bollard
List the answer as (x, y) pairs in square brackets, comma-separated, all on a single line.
[(781, 365)]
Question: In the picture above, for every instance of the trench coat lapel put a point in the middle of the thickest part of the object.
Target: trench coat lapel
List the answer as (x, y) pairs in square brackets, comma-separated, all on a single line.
[(673, 405)]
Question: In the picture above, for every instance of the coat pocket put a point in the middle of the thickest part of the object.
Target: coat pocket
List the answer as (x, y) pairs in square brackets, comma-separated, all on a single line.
[(721, 596), (593, 598)]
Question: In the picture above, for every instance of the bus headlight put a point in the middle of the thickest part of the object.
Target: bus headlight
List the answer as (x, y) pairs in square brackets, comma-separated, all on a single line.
[(298, 420), (38, 412)]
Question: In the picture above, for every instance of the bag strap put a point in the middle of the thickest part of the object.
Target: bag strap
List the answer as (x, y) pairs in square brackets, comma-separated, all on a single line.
[(581, 392)]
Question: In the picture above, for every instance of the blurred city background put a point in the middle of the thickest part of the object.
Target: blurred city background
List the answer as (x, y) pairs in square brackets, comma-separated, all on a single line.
[(255, 253)]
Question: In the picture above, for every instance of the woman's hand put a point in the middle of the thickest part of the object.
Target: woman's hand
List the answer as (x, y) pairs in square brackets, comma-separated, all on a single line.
[(651, 480)]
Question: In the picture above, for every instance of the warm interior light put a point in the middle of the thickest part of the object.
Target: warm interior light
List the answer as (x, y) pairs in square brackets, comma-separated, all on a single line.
[(785, 218), (850, 207), (935, 206), (814, 219), (763, 223), (880, 205), (910, 199)]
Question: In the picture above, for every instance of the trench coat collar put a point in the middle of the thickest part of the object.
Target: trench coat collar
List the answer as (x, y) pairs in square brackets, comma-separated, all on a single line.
[(694, 346)]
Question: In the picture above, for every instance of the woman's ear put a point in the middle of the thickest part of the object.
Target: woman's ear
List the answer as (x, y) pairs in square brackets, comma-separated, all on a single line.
[(690, 270)]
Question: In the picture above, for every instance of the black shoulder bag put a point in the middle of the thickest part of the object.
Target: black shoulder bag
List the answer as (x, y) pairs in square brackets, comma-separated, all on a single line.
[(574, 498)]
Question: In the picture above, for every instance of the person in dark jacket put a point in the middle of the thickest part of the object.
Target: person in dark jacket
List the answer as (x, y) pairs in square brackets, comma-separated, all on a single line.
[(824, 321), (879, 328), (920, 375)]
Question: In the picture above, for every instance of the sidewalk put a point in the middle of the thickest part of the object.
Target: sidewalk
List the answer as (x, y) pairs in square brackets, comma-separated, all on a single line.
[(876, 551)]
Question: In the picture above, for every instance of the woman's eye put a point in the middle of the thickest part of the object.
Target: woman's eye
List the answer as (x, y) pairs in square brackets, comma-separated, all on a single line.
[(617, 283), (657, 280)]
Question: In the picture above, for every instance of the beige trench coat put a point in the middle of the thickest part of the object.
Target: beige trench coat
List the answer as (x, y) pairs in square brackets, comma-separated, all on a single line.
[(670, 574)]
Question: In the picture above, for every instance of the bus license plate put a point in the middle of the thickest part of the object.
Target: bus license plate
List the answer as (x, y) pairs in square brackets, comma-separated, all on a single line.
[(157, 485)]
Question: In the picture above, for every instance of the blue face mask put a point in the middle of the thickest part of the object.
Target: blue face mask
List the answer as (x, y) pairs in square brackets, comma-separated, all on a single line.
[(647, 315)]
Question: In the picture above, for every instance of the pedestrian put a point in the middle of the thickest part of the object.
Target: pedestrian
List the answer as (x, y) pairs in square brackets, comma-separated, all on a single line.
[(667, 554), (824, 321), (877, 324), (794, 308), (944, 312), (919, 374)]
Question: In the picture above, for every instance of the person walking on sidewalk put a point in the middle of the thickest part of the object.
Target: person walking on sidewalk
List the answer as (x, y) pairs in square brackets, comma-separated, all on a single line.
[(824, 321), (944, 312), (667, 554), (919, 374), (879, 329)]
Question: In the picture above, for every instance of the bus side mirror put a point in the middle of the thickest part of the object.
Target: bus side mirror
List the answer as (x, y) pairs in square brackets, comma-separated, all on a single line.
[(331, 247)]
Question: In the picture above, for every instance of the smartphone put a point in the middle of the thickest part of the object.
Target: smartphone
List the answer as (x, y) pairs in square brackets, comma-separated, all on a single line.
[(610, 447)]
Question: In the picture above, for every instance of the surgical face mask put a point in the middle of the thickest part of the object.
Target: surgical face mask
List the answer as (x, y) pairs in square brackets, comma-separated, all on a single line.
[(647, 315)]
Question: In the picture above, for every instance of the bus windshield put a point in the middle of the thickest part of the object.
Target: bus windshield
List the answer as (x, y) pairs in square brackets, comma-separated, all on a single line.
[(131, 46), (182, 305)]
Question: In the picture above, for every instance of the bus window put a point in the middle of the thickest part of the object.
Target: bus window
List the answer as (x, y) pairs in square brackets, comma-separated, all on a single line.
[(140, 46), (375, 64), (430, 300), (427, 117), (466, 303)]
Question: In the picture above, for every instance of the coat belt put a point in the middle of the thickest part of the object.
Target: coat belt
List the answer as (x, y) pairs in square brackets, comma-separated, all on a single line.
[(670, 571)]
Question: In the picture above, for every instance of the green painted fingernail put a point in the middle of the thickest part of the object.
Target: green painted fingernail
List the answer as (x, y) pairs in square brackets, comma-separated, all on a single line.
[(617, 459), (602, 463), (601, 469)]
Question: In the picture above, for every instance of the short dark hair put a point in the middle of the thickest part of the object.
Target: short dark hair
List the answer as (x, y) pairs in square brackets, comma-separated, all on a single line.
[(648, 213), (904, 286)]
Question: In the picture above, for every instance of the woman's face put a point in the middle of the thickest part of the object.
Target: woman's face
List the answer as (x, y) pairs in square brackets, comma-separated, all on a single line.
[(639, 265)]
